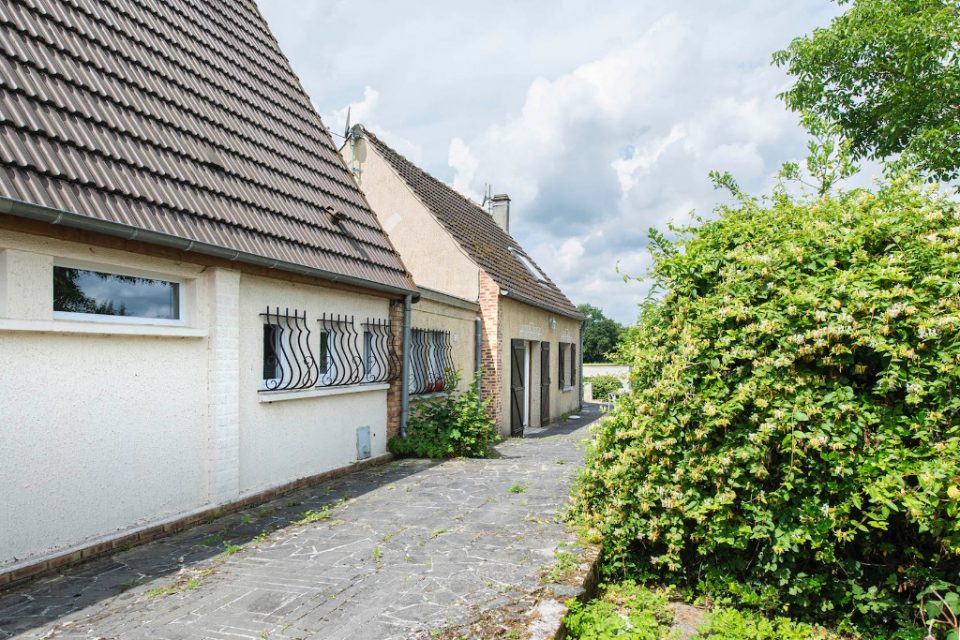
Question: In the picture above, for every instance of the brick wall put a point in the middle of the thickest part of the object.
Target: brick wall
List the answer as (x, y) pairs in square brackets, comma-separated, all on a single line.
[(223, 445), (394, 392), (491, 345)]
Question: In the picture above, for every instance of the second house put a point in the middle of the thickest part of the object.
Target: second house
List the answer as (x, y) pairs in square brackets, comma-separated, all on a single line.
[(484, 303)]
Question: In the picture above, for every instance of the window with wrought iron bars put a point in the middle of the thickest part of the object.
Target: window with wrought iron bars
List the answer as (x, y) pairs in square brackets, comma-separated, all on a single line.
[(341, 356), (431, 360)]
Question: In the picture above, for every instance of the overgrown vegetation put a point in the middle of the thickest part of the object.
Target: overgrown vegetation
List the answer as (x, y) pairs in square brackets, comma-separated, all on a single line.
[(453, 425), (792, 440), (605, 387), (626, 611)]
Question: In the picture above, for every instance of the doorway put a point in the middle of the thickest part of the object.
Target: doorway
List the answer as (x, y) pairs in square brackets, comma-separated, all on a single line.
[(529, 385)]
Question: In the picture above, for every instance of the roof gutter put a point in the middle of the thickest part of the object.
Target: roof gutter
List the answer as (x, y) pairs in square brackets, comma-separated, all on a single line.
[(533, 303), (22, 209)]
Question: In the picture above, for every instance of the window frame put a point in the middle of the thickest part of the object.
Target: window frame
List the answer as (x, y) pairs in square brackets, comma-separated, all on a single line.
[(182, 284), (528, 263)]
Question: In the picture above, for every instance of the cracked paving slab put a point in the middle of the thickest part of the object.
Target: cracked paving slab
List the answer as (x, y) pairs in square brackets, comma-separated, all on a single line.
[(385, 553)]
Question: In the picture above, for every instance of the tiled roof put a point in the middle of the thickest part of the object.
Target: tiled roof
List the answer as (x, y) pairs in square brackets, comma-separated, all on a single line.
[(489, 246), (181, 117)]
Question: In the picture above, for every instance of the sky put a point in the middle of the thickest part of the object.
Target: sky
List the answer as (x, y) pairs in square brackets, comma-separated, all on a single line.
[(599, 119)]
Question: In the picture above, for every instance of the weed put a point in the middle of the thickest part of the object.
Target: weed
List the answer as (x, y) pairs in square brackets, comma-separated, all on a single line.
[(212, 541), (314, 516), (246, 518), (438, 533), (517, 487), (564, 565), (377, 554), (230, 549)]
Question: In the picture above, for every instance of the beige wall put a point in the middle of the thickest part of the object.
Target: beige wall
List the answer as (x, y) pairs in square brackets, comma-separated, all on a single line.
[(106, 428), (434, 258), (532, 324)]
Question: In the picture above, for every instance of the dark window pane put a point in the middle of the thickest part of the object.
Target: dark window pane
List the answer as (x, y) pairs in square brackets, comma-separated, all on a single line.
[(324, 352), (109, 294), (271, 339)]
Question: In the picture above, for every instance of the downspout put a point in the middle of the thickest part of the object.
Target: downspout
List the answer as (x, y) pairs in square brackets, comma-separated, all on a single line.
[(478, 342), (580, 372), (405, 368)]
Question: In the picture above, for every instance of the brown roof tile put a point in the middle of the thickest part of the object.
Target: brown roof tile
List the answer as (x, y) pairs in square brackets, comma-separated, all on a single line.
[(181, 117), (489, 246)]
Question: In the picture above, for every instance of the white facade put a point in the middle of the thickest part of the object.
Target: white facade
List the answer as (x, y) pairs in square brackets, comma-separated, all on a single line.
[(109, 425)]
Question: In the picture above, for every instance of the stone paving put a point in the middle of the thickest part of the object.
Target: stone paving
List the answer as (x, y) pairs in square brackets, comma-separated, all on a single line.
[(391, 552)]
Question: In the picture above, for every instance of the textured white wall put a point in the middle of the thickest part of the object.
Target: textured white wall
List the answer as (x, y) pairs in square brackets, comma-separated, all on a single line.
[(98, 433), (104, 433), (281, 441)]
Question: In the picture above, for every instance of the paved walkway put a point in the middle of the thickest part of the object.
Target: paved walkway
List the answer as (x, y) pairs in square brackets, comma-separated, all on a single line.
[(390, 552)]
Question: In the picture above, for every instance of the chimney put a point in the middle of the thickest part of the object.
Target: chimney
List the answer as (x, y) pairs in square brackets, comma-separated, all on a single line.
[(500, 210)]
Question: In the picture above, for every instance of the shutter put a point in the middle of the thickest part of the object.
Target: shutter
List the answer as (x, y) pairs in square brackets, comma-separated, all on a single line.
[(573, 365), (544, 383), (516, 387), (562, 369)]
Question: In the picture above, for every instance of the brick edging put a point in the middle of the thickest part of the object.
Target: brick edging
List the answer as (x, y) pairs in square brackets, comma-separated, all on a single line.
[(18, 577)]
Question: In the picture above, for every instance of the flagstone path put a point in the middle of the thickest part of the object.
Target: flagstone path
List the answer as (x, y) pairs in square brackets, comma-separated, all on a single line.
[(391, 552)]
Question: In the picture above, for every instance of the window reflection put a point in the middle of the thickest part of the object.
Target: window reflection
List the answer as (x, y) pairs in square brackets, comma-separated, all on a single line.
[(109, 294)]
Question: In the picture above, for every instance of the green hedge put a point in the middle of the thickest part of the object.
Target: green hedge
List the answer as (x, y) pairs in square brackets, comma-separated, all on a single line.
[(792, 439), (605, 387)]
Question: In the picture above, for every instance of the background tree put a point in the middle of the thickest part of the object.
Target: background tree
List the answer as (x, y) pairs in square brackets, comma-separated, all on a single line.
[(886, 72), (600, 334)]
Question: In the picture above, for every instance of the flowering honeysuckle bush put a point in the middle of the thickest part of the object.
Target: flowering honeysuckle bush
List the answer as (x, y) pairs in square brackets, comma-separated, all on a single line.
[(792, 439)]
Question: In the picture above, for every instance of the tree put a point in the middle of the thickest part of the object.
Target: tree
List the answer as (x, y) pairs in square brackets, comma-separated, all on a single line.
[(886, 72), (600, 334)]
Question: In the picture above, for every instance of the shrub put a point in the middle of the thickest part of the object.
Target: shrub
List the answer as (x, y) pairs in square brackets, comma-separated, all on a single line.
[(625, 611), (791, 440), (730, 624), (453, 425), (605, 387)]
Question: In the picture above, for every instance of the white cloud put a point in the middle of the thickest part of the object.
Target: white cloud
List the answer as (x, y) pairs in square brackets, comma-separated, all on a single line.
[(599, 120)]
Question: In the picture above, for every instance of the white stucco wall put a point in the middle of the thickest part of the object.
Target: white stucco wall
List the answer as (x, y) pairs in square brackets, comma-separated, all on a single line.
[(88, 447), (280, 441), (106, 428)]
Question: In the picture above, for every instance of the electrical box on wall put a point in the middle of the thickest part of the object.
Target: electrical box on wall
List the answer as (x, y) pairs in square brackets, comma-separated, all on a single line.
[(363, 443)]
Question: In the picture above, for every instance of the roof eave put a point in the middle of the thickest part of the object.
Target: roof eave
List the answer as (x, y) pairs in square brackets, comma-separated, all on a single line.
[(579, 317), (21, 209)]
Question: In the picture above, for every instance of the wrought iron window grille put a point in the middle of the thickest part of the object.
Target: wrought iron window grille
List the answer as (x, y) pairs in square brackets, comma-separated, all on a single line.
[(380, 360), (431, 360), (288, 361), (343, 355)]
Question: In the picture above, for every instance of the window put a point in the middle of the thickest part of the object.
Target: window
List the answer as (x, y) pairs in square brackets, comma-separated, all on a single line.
[(294, 357), (83, 293), (431, 360), (532, 268), (568, 365)]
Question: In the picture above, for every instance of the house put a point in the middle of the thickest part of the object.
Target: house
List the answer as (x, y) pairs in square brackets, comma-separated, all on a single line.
[(484, 302), (198, 308)]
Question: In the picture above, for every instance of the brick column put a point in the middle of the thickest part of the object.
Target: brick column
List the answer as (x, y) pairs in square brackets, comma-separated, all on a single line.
[(491, 347), (223, 383), (396, 385)]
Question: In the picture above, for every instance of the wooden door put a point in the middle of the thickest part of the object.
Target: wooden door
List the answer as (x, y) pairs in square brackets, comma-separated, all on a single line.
[(517, 351), (544, 384)]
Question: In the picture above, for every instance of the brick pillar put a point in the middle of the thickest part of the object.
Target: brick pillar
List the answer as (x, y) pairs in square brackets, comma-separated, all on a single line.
[(223, 375), (491, 348), (396, 386)]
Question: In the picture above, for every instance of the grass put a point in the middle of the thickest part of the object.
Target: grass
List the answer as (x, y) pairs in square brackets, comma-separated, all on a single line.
[(377, 555), (518, 487), (566, 564), (230, 549), (438, 533), (310, 516)]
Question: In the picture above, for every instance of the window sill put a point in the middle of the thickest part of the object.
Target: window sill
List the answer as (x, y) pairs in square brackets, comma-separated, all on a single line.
[(101, 328), (427, 396), (567, 389), (267, 397)]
